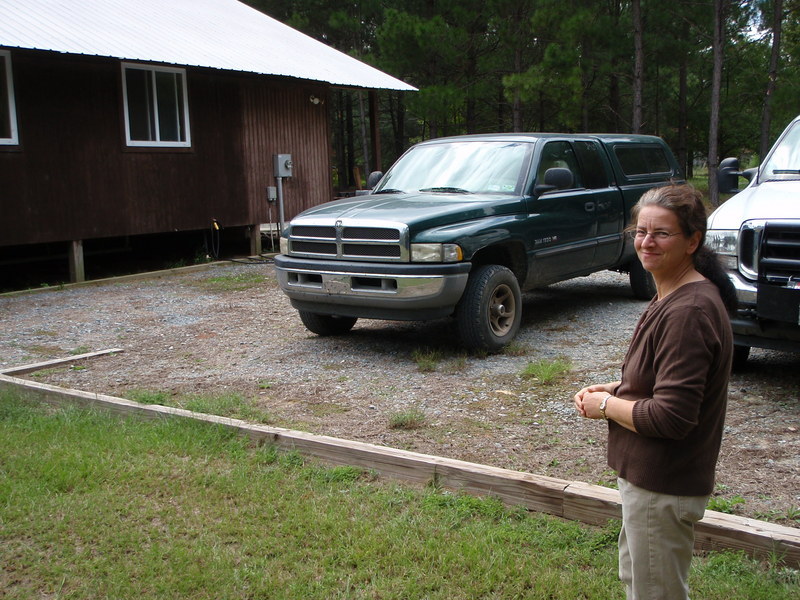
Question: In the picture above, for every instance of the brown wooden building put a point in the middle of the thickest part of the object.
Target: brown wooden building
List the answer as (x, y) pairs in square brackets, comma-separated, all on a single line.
[(104, 137)]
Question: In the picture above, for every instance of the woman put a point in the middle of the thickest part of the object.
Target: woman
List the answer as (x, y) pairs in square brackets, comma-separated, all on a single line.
[(665, 416)]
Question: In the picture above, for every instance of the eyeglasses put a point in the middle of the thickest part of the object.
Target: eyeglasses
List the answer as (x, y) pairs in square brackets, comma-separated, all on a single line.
[(659, 236)]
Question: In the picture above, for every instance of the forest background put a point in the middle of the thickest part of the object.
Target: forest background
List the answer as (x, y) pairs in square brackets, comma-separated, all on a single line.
[(714, 78)]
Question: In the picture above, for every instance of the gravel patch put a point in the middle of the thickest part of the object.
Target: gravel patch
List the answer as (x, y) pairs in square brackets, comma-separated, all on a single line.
[(191, 335)]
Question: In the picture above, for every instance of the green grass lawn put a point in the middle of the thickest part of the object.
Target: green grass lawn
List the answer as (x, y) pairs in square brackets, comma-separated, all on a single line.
[(95, 506)]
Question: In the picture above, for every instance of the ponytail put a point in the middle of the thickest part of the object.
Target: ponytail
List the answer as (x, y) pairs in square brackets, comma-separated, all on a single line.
[(708, 264)]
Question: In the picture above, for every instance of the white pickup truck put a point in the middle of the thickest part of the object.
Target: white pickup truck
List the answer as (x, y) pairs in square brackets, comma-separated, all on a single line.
[(757, 233)]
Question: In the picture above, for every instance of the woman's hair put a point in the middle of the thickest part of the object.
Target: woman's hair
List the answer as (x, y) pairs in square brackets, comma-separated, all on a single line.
[(686, 203)]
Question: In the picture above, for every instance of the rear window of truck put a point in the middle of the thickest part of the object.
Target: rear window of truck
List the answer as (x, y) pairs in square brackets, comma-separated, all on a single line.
[(642, 160)]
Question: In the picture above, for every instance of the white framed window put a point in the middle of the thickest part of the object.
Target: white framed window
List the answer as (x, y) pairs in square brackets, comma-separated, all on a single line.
[(156, 106), (9, 135)]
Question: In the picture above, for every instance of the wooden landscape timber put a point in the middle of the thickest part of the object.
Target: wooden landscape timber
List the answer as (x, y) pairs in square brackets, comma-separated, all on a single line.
[(591, 504), (56, 362)]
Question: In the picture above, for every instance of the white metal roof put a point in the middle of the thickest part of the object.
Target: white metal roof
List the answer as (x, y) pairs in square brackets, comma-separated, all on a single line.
[(220, 34)]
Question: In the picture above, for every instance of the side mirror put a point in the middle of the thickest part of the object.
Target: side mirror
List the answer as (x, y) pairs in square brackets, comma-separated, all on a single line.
[(728, 176), (373, 179), (557, 178)]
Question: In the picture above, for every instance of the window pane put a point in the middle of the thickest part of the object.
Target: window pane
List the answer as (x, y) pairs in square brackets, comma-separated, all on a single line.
[(657, 160), (170, 102), (785, 160), (472, 166), (631, 160), (642, 160), (140, 102), (156, 106), (559, 154), (594, 166), (5, 107)]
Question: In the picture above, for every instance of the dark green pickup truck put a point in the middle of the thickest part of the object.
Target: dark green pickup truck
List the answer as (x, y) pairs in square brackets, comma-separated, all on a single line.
[(460, 226)]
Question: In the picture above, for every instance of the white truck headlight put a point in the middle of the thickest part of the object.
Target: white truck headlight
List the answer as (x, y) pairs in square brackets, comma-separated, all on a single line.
[(436, 253), (284, 246), (724, 242)]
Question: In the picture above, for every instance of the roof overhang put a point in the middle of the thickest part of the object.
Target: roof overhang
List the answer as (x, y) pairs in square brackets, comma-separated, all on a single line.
[(217, 34)]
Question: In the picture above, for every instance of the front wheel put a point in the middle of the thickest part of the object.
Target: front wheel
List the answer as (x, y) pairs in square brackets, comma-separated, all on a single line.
[(326, 324), (490, 311)]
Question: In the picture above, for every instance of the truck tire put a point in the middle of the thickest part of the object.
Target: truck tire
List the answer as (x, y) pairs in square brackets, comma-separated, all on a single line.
[(326, 324), (642, 282), (489, 313)]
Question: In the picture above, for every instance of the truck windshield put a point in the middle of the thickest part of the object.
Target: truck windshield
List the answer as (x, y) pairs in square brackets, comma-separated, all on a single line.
[(460, 167), (784, 162)]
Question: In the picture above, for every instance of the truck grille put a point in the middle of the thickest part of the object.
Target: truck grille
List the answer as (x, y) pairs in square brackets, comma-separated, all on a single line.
[(349, 242), (779, 253)]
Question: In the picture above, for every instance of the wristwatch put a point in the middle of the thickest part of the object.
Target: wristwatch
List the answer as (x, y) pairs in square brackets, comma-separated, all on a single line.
[(603, 404)]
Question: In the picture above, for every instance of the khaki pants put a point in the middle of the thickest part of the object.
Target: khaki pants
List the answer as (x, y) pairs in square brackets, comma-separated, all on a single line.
[(656, 542)]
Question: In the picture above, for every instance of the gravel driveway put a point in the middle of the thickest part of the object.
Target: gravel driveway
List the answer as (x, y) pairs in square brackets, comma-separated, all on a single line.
[(227, 335)]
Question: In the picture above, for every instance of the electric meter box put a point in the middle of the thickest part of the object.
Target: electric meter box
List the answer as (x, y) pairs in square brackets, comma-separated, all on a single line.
[(283, 165)]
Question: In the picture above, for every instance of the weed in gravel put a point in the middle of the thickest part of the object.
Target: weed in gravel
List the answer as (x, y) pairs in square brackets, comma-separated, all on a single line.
[(334, 366), (325, 409), (45, 332), (454, 365), (608, 478), (547, 371), (479, 353), (793, 513), (725, 505), (45, 373), (427, 359), (408, 419), (43, 350), (477, 425), (516, 348)]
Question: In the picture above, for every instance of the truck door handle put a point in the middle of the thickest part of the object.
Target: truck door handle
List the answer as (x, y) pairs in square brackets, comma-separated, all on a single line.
[(589, 207)]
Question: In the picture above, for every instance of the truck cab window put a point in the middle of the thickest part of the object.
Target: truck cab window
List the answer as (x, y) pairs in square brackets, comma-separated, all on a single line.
[(559, 154), (642, 160), (594, 167)]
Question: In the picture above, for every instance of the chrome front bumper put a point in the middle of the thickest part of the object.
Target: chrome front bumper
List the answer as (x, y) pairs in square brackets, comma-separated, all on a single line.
[(372, 290)]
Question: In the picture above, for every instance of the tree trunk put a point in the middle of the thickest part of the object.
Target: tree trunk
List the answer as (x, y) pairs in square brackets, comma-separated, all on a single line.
[(766, 115), (716, 85), (470, 113), (613, 102), (341, 154), (638, 66), (375, 132), (683, 116), (516, 107), (350, 138), (362, 114), (399, 124)]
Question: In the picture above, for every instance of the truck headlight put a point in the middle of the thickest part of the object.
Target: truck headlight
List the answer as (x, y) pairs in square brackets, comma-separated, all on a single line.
[(724, 242), (436, 253), (284, 245)]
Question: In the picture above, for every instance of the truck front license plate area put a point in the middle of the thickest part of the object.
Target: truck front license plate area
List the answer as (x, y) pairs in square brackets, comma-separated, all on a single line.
[(342, 284), (779, 304)]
